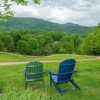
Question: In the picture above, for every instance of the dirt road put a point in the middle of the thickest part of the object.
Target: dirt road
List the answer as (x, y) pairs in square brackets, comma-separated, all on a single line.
[(44, 61)]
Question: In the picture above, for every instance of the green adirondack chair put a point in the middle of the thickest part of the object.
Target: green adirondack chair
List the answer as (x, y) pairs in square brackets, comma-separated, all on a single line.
[(33, 72)]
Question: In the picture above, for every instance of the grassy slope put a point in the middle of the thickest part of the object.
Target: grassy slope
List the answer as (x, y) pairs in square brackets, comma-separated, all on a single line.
[(87, 77), (6, 57)]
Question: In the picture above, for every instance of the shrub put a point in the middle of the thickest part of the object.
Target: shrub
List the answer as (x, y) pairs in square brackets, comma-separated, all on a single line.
[(15, 94)]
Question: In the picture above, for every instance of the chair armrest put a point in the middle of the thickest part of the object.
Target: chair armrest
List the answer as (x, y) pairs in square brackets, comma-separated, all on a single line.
[(60, 73), (66, 73), (54, 73)]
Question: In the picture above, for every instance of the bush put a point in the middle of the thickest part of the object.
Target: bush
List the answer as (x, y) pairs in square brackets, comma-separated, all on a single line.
[(91, 44), (15, 94)]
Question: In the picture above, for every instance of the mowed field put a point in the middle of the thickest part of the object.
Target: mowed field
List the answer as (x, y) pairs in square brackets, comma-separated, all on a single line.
[(87, 77), (10, 57)]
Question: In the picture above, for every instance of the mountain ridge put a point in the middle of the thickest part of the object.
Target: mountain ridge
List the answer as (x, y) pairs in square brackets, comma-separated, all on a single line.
[(17, 23)]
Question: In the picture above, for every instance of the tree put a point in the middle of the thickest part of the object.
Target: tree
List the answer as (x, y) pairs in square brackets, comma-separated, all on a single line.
[(16, 36), (47, 50), (9, 43), (6, 12), (56, 47), (33, 45), (41, 41), (65, 43), (91, 44), (62, 50), (1, 45), (71, 46), (22, 47), (77, 40), (57, 36)]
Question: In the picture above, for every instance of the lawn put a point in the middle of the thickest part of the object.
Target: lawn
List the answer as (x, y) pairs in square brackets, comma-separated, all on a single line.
[(8, 57), (87, 77)]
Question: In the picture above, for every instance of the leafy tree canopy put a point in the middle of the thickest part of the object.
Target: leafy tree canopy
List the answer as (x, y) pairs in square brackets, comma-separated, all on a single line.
[(5, 11), (91, 44)]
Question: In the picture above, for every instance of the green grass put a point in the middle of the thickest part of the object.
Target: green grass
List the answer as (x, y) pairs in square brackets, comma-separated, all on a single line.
[(7, 57), (87, 77)]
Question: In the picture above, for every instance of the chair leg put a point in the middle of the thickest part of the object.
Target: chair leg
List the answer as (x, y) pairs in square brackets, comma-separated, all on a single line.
[(73, 82), (58, 89), (25, 85), (50, 81)]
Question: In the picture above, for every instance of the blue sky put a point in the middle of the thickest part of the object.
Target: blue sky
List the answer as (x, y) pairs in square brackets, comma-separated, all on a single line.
[(84, 12)]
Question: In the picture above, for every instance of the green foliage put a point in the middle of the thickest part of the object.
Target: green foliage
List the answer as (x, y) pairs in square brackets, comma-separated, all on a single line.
[(1, 45), (39, 43), (8, 42), (42, 43), (56, 47), (19, 94), (33, 45), (47, 50), (68, 43), (91, 44), (6, 12), (16, 37), (39, 24), (71, 46), (22, 47)]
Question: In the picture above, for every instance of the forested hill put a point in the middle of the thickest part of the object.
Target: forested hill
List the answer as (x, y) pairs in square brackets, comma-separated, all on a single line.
[(39, 24)]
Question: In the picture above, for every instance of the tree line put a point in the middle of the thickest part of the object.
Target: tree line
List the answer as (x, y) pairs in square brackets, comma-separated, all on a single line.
[(45, 43)]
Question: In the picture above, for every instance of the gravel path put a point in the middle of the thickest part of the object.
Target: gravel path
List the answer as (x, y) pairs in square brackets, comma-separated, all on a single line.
[(44, 61)]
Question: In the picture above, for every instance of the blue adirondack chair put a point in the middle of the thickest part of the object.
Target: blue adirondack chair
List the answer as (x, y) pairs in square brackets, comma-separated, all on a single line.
[(66, 69), (33, 72)]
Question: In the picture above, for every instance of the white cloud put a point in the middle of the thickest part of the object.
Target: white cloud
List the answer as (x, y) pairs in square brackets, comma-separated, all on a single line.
[(85, 12), (59, 15), (24, 11)]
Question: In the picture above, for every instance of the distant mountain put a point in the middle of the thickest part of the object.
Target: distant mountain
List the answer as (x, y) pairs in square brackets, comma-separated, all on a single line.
[(39, 24)]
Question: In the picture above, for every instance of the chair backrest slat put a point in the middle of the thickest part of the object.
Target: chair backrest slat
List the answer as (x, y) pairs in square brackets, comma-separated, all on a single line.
[(65, 67), (34, 70)]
